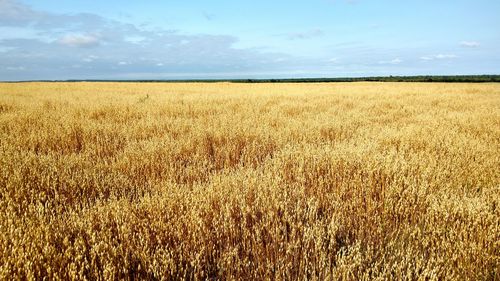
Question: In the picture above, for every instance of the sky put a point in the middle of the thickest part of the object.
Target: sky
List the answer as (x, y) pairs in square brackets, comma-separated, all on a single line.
[(222, 39)]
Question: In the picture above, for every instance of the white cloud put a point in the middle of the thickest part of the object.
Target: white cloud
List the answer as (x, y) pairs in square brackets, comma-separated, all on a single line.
[(394, 61), (123, 63), (470, 44), (439, 57), (135, 39), (208, 16), (333, 60), (5, 49), (90, 58), (445, 56), (15, 13), (159, 64), (79, 40), (16, 68), (306, 34)]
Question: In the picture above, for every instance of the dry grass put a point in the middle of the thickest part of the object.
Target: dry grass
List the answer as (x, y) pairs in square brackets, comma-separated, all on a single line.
[(250, 181)]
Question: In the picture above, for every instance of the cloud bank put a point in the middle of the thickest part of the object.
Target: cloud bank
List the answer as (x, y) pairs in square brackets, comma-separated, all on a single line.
[(470, 44), (40, 45), (87, 45)]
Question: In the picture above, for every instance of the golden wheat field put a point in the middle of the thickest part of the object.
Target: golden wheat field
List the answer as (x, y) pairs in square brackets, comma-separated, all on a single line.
[(227, 181)]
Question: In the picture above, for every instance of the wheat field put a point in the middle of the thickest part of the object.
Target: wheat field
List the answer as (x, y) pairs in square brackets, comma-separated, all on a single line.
[(227, 181)]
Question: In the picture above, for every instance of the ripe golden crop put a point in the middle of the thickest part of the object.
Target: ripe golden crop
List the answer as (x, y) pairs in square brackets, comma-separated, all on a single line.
[(250, 181)]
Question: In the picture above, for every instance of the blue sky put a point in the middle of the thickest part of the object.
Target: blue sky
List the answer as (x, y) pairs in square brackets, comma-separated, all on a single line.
[(174, 39)]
